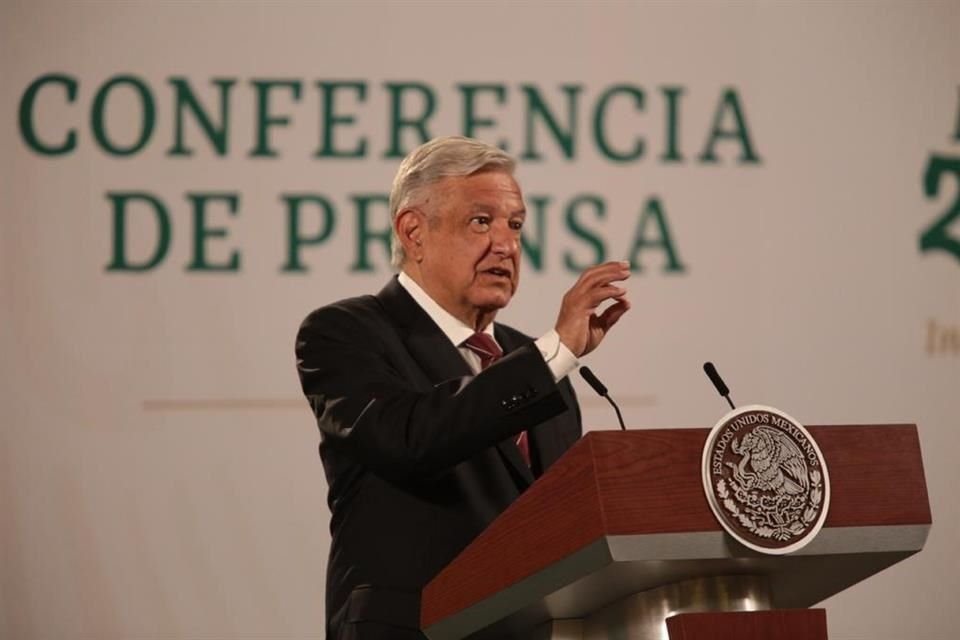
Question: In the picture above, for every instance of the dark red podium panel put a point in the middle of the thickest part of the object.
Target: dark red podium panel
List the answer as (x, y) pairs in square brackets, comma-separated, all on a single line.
[(781, 624)]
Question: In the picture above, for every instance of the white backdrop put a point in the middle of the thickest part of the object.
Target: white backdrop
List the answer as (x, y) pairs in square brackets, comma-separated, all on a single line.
[(158, 469)]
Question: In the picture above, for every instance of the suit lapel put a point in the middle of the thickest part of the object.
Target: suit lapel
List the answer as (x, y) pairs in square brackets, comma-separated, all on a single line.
[(426, 343), (440, 360)]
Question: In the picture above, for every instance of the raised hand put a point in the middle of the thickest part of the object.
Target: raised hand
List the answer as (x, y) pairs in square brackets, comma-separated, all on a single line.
[(579, 326)]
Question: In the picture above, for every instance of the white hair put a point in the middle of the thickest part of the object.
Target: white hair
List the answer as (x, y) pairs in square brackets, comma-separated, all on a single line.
[(428, 164)]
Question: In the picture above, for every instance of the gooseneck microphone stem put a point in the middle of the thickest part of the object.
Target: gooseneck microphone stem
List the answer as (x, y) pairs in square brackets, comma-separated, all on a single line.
[(601, 390), (729, 401), (617, 409)]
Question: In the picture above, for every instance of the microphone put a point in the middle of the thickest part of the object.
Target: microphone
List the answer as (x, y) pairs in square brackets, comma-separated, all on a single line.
[(601, 390), (717, 381)]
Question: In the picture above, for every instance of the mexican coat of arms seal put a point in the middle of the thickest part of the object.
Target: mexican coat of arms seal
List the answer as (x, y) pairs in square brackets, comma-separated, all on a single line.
[(765, 479)]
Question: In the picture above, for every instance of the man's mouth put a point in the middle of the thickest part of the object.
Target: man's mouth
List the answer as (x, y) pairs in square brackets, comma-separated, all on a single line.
[(498, 272)]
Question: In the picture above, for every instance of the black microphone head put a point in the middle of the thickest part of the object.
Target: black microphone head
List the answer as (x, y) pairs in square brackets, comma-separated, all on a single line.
[(592, 380), (715, 378)]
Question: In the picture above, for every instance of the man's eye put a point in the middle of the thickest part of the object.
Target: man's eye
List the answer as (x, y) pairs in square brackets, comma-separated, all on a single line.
[(483, 221), (516, 225)]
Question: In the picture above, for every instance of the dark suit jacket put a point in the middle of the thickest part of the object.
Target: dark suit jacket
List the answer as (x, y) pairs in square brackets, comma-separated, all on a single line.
[(418, 452)]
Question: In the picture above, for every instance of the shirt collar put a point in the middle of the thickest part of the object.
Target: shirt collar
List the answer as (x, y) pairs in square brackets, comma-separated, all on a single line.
[(455, 330)]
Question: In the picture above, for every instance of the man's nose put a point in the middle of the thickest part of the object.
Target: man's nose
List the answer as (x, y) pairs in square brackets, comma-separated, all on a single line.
[(504, 241)]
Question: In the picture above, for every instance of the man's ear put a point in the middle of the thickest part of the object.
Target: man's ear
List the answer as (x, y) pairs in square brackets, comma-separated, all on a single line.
[(409, 225)]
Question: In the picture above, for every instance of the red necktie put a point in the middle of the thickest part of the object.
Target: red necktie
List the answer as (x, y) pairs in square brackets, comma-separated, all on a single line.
[(488, 350)]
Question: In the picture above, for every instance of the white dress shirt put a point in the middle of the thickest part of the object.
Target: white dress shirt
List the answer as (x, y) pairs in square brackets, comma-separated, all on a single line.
[(560, 359)]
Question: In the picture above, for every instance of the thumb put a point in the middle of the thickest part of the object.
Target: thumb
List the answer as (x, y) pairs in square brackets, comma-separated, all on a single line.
[(613, 313)]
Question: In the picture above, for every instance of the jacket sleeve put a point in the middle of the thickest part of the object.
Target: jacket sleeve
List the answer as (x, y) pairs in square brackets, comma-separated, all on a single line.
[(364, 403)]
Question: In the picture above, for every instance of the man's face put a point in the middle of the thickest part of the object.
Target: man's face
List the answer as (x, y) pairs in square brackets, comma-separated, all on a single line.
[(471, 244)]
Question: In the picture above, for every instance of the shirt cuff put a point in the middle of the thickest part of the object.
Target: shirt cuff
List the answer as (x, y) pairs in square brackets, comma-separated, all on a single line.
[(560, 359)]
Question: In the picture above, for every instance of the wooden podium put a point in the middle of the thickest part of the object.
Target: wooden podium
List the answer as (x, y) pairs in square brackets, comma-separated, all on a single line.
[(618, 536)]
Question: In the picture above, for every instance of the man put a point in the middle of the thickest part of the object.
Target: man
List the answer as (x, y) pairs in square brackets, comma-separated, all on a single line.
[(427, 433)]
